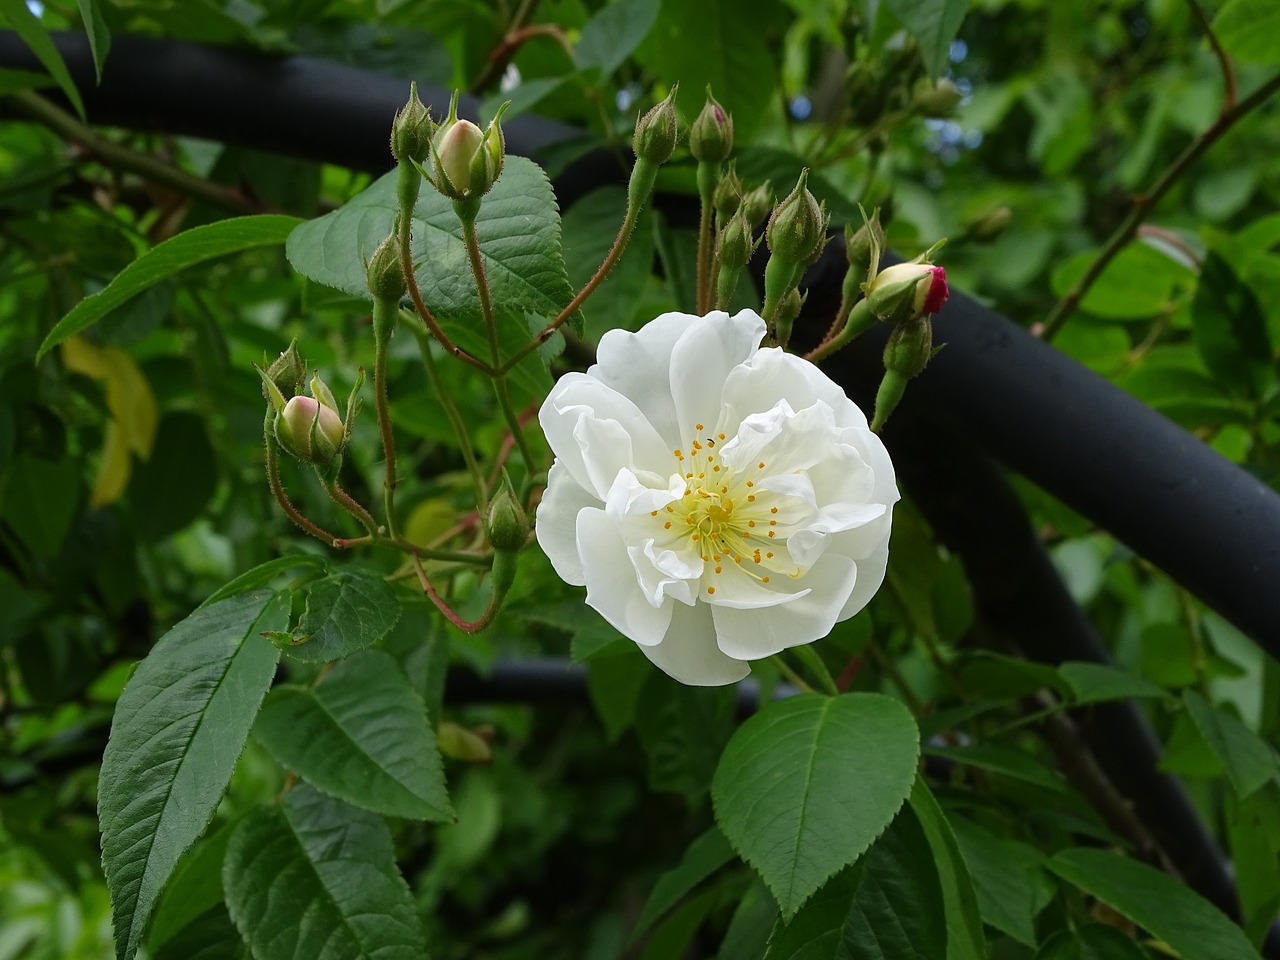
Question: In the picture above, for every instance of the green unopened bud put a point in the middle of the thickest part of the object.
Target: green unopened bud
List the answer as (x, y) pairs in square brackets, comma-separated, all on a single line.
[(989, 226), (904, 293), (507, 526), (758, 204), (906, 354), (859, 82), (936, 99), (656, 133), (458, 743), (797, 230), (728, 195), (465, 160), (711, 136), (411, 130), (736, 243), (320, 390), (310, 431), (862, 246), (383, 273), (285, 375)]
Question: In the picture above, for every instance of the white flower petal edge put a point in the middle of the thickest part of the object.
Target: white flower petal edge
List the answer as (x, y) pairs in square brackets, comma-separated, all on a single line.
[(720, 502)]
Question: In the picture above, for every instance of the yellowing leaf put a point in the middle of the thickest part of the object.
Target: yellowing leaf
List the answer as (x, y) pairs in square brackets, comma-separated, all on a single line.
[(131, 406)]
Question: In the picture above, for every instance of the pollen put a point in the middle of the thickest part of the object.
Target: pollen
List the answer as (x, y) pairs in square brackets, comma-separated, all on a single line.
[(718, 569), (698, 426), (697, 536), (760, 464), (750, 483), (751, 498), (773, 533), (773, 509), (653, 513), (667, 525), (720, 435), (769, 556), (751, 523), (764, 579), (670, 509), (711, 589)]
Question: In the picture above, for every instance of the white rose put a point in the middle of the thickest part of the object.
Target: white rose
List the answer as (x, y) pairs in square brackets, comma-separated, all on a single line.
[(719, 502)]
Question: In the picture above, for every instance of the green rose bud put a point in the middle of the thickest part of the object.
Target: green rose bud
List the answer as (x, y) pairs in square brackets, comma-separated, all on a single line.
[(656, 133), (797, 230), (728, 195), (507, 526), (759, 204), (383, 273), (711, 136), (285, 375), (936, 99), (466, 161), (411, 130), (736, 243)]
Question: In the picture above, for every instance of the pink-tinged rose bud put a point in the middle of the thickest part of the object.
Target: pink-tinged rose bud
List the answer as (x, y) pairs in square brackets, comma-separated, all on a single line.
[(465, 160), (711, 136), (455, 148), (908, 291), (310, 431)]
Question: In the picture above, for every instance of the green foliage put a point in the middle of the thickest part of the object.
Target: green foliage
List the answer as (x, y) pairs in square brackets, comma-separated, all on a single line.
[(346, 612), (784, 787)]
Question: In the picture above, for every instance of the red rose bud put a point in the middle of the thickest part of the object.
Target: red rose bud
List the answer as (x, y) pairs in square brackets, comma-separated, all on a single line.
[(411, 130), (656, 133), (310, 431), (907, 291), (797, 230), (711, 136)]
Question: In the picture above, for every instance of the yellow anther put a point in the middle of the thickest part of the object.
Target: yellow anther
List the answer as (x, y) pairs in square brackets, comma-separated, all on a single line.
[(764, 580), (772, 533), (653, 513), (720, 435), (667, 525), (711, 589), (769, 556), (697, 426), (761, 464), (751, 523), (773, 509), (751, 498), (750, 483), (718, 569)]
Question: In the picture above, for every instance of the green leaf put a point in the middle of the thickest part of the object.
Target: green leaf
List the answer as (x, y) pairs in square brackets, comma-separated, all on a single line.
[(39, 501), (210, 936), (887, 906), (1247, 30), (751, 925), (1005, 761), (808, 783), (178, 730), (1091, 942), (264, 573), (996, 676), (1247, 758), (683, 730), (195, 890), (12, 81), (590, 227), (934, 24), (1138, 283), (1008, 878), (346, 611), (315, 879), (164, 260), (519, 233), (614, 684), (612, 33), (170, 488), (705, 856), (361, 735), (1231, 329), (965, 940), (721, 43), (99, 35), (33, 34), (1096, 682), (1171, 911), (1253, 831)]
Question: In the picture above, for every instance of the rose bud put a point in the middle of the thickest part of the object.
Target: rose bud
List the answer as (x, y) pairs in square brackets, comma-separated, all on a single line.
[(907, 291)]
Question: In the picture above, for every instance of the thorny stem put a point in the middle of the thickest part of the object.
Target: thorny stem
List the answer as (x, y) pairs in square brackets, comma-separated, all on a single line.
[(611, 258), (455, 419), (411, 285), (1144, 202), (466, 626), (384, 318), (499, 377), (707, 177), (123, 158)]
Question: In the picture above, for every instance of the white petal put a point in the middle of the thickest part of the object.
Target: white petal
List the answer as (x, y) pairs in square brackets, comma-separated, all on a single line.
[(701, 362), (870, 575), (556, 522), (638, 366), (772, 375), (762, 632), (613, 586), (689, 652), (596, 431)]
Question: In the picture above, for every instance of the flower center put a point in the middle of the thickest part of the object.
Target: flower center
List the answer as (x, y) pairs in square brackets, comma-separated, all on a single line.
[(728, 519)]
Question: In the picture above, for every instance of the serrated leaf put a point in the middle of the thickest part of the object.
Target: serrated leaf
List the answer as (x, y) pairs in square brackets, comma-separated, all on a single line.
[(361, 735), (34, 35), (1173, 912), (346, 612), (263, 574), (518, 227), (210, 936), (934, 24), (808, 783), (166, 259), (1008, 878), (1097, 682), (1247, 30), (705, 855), (682, 730), (1247, 758), (178, 731), (1231, 329), (965, 939), (1091, 942), (99, 36), (612, 33), (1004, 761), (316, 879), (887, 906), (1138, 283)]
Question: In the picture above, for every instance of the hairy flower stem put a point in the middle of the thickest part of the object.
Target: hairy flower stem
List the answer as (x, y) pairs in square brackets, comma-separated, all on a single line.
[(384, 320), (611, 259), (858, 320), (405, 226), (455, 419), (708, 177), (349, 504), (500, 386), (466, 626), (282, 498), (1143, 203)]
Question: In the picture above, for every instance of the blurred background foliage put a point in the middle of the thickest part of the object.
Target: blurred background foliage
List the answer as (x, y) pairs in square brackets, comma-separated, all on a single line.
[(131, 484)]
